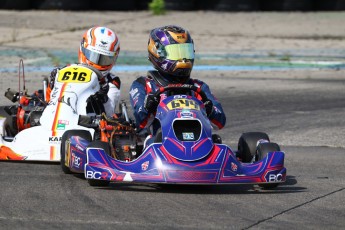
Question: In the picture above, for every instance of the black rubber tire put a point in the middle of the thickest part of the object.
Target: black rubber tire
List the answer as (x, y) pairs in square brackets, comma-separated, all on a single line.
[(106, 147), (237, 5), (81, 133), (286, 5), (247, 145), (10, 125), (102, 145), (183, 5), (262, 150)]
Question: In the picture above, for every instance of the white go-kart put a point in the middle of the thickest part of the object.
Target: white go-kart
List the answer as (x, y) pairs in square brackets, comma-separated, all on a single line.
[(31, 129)]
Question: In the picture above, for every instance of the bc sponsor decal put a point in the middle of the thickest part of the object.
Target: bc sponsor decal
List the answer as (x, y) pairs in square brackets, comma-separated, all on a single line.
[(76, 161), (183, 104), (75, 74), (96, 175), (274, 176)]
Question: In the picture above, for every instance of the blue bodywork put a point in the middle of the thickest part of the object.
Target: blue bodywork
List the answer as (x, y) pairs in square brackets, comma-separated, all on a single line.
[(185, 155)]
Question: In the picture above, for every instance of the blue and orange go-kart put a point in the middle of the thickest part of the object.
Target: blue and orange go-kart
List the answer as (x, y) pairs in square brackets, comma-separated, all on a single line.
[(184, 151)]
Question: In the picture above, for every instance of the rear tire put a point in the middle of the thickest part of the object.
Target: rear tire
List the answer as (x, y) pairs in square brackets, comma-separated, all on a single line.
[(65, 139), (105, 146), (262, 150), (247, 145)]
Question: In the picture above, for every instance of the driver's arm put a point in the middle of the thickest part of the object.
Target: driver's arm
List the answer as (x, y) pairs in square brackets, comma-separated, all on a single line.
[(137, 96), (217, 117)]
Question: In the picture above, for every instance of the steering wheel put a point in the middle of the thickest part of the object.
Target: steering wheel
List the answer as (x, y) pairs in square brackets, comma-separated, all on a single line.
[(181, 88)]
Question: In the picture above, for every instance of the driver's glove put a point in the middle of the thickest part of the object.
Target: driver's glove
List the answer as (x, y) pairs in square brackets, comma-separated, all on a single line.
[(101, 95), (208, 107), (151, 103)]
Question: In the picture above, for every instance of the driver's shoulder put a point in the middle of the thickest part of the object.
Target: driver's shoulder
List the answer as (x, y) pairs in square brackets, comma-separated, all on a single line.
[(197, 82)]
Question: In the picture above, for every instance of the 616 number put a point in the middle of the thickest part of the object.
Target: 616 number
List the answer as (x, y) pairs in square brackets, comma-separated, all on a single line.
[(79, 76)]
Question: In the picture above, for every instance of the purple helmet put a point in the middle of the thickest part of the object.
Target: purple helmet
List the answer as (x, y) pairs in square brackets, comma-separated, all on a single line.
[(171, 51)]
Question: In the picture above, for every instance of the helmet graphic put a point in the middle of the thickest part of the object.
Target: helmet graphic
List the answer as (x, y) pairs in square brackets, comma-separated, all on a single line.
[(99, 48), (171, 51)]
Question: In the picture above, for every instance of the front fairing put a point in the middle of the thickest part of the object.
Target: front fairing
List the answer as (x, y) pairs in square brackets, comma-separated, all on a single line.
[(186, 130), (156, 165)]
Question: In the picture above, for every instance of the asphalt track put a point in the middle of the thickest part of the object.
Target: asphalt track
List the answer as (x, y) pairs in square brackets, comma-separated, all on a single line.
[(305, 115)]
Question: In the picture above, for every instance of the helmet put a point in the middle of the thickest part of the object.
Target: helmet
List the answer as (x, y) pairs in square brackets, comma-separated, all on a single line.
[(171, 51), (99, 48)]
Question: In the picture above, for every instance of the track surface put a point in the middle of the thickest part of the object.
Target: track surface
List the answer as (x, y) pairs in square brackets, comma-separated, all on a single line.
[(304, 115)]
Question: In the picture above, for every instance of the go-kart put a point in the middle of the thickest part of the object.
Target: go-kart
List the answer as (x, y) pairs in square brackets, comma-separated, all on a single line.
[(184, 151), (32, 128), (115, 135)]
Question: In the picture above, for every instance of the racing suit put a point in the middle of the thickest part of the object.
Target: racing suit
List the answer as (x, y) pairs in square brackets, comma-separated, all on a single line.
[(109, 93), (150, 84)]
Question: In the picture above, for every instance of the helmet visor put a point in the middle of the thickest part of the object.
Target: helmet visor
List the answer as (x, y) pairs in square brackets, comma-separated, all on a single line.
[(180, 51), (97, 58)]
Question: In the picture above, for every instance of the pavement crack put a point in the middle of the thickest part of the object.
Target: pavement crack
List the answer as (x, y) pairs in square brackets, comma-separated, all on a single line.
[(292, 208)]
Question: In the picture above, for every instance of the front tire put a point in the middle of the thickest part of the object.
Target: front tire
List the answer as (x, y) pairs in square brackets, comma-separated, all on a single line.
[(247, 145), (262, 150), (65, 141)]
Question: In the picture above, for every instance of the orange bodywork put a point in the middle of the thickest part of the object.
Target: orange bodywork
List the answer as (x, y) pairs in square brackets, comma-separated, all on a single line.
[(7, 154)]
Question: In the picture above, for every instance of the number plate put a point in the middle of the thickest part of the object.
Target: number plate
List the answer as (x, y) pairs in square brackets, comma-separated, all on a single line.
[(74, 74), (183, 104)]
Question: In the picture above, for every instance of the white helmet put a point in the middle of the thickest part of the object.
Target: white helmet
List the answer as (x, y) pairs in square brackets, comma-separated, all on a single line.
[(99, 48)]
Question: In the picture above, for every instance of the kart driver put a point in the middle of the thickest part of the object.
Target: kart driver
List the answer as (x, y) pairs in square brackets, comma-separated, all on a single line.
[(171, 51), (99, 48)]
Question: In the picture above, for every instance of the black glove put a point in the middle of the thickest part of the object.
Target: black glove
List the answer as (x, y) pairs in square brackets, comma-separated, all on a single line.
[(208, 107), (151, 103), (104, 89), (101, 95)]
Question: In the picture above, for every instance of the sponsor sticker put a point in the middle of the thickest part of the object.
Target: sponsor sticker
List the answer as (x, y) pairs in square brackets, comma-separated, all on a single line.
[(60, 127), (234, 167), (145, 165), (188, 136), (54, 139)]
